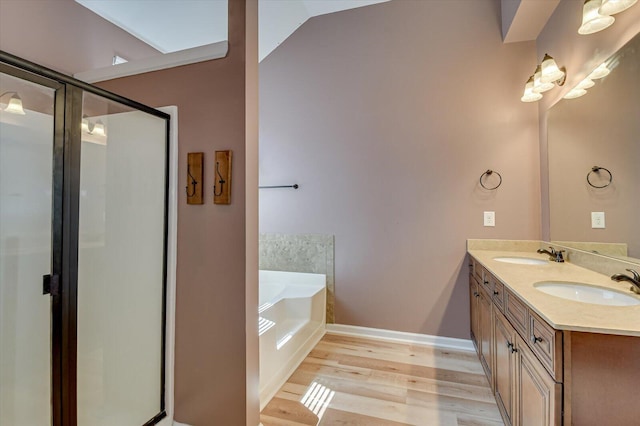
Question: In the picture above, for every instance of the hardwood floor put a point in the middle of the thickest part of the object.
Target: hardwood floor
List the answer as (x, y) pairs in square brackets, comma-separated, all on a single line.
[(359, 381)]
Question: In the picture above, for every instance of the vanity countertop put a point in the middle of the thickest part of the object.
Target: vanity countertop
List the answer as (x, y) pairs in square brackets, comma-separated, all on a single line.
[(563, 314)]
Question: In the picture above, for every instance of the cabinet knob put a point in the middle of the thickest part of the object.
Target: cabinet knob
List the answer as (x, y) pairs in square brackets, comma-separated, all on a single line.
[(496, 292), (535, 339), (476, 294), (511, 347)]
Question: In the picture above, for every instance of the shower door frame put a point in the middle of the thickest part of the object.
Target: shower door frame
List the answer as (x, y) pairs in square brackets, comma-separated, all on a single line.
[(65, 229)]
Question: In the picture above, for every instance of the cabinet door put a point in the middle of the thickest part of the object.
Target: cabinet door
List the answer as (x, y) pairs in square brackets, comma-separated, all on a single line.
[(485, 329), (538, 394), (473, 305), (505, 357)]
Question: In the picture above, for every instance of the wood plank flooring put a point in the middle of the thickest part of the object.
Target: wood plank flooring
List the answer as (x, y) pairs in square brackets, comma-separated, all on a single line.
[(358, 381)]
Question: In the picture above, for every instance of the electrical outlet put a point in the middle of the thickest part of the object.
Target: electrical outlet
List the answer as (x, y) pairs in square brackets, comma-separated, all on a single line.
[(489, 218), (597, 220)]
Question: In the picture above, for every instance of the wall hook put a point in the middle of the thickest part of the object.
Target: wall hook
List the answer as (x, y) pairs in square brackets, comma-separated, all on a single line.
[(487, 174), (222, 179), (596, 169), (194, 183), (194, 178)]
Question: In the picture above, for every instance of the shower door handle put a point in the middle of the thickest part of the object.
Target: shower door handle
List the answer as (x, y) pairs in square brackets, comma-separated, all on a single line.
[(51, 284)]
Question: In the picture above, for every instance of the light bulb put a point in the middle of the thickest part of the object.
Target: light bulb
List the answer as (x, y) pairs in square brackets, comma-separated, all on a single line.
[(550, 71), (99, 129), (575, 93), (592, 20), (15, 105), (585, 84), (85, 124), (601, 71), (529, 95), (611, 7), (538, 85)]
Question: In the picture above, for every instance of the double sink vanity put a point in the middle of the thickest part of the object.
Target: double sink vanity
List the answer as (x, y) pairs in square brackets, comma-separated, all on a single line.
[(559, 342)]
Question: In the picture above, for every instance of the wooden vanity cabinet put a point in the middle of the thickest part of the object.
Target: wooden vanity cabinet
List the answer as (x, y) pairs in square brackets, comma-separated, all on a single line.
[(602, 377), (473, 309), (485, 329), (505, 367), (520, 357), (482, 324), (525, 392), (539, 397), (541, 376)]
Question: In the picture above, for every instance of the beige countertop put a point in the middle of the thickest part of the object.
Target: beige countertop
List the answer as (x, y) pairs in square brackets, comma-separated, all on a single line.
[(563, 314)]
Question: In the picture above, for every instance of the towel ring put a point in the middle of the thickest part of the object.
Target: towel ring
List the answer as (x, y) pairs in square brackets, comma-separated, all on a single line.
[(596, 169), (489, 173)]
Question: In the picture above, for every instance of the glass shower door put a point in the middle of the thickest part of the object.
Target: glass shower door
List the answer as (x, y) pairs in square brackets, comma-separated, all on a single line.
[(121, 262), (26, 198), (83, 229)]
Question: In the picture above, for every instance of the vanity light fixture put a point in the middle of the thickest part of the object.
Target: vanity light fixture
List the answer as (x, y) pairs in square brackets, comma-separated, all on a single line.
[(601, 71), (592, 19), (529, 95), (85, 124), (575, 93), (585, 84), (611, 7), (543, 79), (99, 128), (581, 88), (15, 103), (538, 85), (550, 72), (92, 128)]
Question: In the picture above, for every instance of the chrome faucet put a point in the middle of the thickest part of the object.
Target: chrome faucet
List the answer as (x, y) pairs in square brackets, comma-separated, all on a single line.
[(555, 255), (634, 280)]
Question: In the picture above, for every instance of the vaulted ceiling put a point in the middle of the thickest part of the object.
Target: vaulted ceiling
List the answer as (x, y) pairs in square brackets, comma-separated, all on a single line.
[(173, 25)]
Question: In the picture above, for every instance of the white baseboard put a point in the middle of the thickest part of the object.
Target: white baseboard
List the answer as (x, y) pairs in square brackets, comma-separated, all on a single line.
[(402, 337), (271, 388), (167, 421)]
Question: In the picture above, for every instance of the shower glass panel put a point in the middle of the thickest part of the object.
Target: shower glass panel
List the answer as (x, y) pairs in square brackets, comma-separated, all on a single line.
[(26, 185), (120, 264)]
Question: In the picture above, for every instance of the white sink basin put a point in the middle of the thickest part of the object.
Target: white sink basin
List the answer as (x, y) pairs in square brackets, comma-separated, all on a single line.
[(521, 260), (587, 293)]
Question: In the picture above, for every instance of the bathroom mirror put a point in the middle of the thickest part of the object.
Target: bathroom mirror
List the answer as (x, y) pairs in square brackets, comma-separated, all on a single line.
[(594, 162)]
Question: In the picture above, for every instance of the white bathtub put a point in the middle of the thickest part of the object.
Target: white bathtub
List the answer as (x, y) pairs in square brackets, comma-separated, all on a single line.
[(291, 310)]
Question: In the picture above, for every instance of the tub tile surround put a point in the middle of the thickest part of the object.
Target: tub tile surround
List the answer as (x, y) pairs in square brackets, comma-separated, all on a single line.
[(583, 267), (313, 253)]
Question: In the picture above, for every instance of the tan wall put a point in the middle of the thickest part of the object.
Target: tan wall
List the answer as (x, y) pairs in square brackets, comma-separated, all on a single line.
[(387, 116), (579, 54), (211, 318), (64, 36)]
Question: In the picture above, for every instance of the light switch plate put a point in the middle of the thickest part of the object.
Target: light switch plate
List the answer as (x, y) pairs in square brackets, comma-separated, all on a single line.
[(489, 218), (597, 220)]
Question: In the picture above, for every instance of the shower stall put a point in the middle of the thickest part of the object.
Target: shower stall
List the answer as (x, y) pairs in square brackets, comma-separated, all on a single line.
[(83, 246)]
